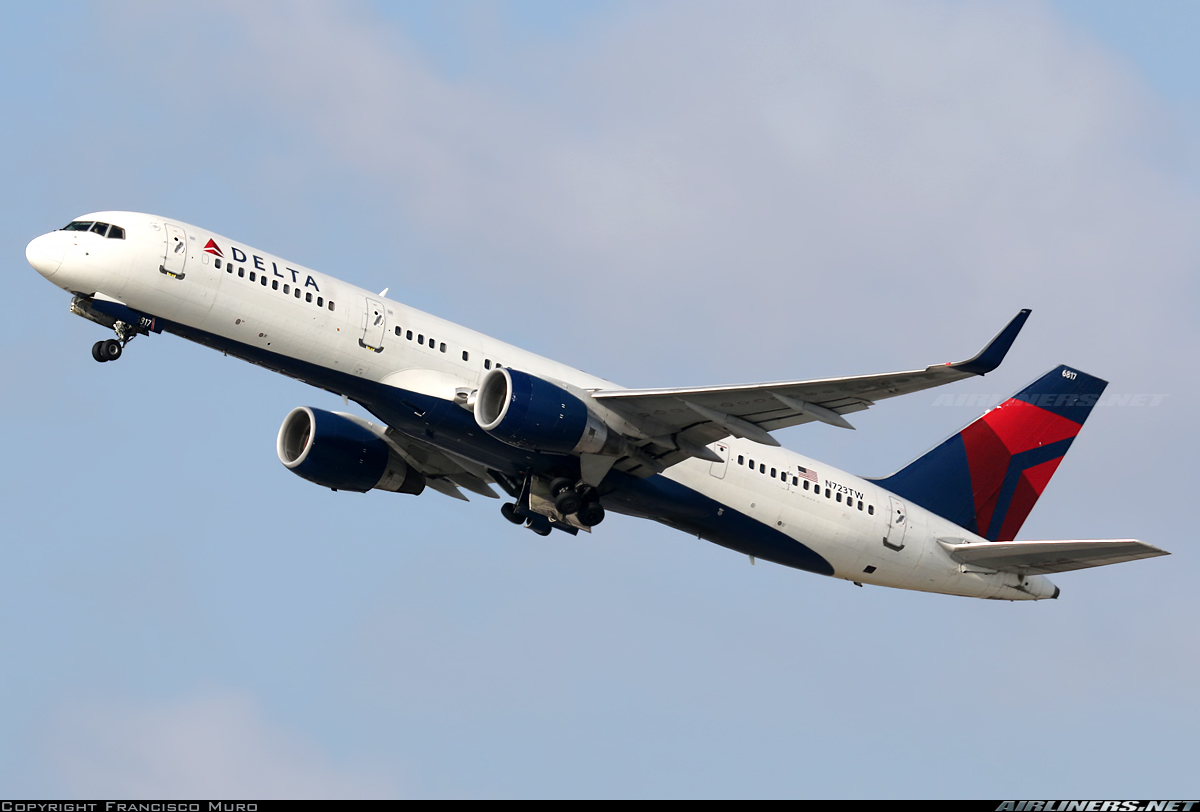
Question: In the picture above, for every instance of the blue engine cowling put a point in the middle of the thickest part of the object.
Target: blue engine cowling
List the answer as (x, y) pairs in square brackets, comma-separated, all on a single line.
[(341, 453), (528, 412)]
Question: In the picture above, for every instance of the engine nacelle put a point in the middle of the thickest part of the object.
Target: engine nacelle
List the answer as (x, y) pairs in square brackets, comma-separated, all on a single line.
[(528, 412), (342, 453)]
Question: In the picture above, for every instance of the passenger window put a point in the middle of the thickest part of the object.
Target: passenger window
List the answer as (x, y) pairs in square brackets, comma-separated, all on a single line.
[(465, 356), (839, 497), (795, 481), (320, 301), (442, 347), (409, 335), (217, 262), (287, 288), (331, 305), (241, 271), (297, 293), (860, 504), (871, 510), (398, 331), (741, 459), (118, 233), (308, 297), (487, 363), (421, 339), (253, 278), (263, 280), (228, 269), (274, 284), (827, 493), (806, 484)]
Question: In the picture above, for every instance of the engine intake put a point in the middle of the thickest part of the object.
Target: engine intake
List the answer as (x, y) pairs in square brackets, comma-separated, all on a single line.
[(528, 412), (342, 453)]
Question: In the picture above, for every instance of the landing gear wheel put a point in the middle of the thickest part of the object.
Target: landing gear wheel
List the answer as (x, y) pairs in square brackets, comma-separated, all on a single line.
[(591, 514), (510, 512), (98, 351), (566, 499), (568, 502), (111, 349), (539, 524)]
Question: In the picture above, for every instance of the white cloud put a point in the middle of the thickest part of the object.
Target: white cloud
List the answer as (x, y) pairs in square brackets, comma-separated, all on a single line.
[(830, 163), (215, 745)]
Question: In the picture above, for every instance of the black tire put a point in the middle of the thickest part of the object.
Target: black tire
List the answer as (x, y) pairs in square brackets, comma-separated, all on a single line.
[(539, 524), (591, 514), (568, 502), (510, 512), (111, 349), (98, 351)]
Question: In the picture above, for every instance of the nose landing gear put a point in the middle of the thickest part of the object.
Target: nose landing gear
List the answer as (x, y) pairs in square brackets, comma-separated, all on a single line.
[(111, 349), (106, 350)]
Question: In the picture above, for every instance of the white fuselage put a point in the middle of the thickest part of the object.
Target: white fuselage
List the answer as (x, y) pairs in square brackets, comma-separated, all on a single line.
[(270, 306)]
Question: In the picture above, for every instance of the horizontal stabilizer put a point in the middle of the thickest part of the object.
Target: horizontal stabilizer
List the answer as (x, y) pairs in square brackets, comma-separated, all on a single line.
[(1043, 557)]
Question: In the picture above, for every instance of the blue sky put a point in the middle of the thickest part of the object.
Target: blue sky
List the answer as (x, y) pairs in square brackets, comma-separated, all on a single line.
[(662, 194)]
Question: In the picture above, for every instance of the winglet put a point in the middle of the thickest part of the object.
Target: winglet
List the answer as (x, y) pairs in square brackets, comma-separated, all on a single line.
[(990, 356)]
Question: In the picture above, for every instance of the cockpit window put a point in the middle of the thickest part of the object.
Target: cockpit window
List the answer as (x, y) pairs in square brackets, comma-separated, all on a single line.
[(114, 232)]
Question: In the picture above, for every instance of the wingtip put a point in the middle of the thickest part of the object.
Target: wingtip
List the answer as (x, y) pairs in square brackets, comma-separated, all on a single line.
[(990, 356)]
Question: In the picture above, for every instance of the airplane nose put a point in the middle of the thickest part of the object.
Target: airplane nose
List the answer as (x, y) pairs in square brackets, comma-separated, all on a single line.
[(45, 253)]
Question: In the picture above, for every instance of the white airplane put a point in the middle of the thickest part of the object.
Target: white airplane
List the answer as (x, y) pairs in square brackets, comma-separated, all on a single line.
[(460, 410)]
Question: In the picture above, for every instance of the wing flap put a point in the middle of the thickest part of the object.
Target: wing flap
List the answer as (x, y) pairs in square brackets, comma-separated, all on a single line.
[(1045, 557)]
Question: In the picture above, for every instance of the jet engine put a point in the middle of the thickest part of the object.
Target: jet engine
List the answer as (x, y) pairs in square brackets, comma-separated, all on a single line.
[(343, 453), (528, 412)]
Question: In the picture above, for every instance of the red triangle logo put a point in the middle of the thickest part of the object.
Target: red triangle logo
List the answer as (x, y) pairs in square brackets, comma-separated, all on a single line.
[(212, 248)]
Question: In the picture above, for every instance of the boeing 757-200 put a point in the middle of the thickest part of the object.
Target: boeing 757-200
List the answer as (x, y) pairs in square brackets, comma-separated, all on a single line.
[(459, 411)]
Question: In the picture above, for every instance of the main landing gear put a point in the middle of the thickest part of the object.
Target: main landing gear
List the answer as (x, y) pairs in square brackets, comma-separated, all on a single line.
[(580, 500), (568, 499), (111, 349)]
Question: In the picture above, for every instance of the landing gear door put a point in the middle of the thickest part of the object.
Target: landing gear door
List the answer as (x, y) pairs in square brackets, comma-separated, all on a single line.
[(718, 468), (374, 323), (897, 525), (174, 251)]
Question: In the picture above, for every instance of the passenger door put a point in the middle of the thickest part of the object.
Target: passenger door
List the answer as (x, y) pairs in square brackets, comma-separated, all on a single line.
[(174, 251), (374, 323)]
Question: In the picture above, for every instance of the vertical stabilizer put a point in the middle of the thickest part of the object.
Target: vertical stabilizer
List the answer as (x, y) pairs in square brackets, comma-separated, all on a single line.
[(987, 477)]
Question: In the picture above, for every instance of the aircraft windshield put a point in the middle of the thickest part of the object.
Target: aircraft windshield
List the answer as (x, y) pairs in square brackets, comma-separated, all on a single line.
[(113, 232)]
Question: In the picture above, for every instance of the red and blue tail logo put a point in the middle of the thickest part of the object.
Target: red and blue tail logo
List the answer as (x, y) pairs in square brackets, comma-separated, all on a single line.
[(987, 477)]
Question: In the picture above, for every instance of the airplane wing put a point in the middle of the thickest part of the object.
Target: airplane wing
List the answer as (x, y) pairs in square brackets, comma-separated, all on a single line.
[(1044, 557), (443, 471), (681, 422)]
